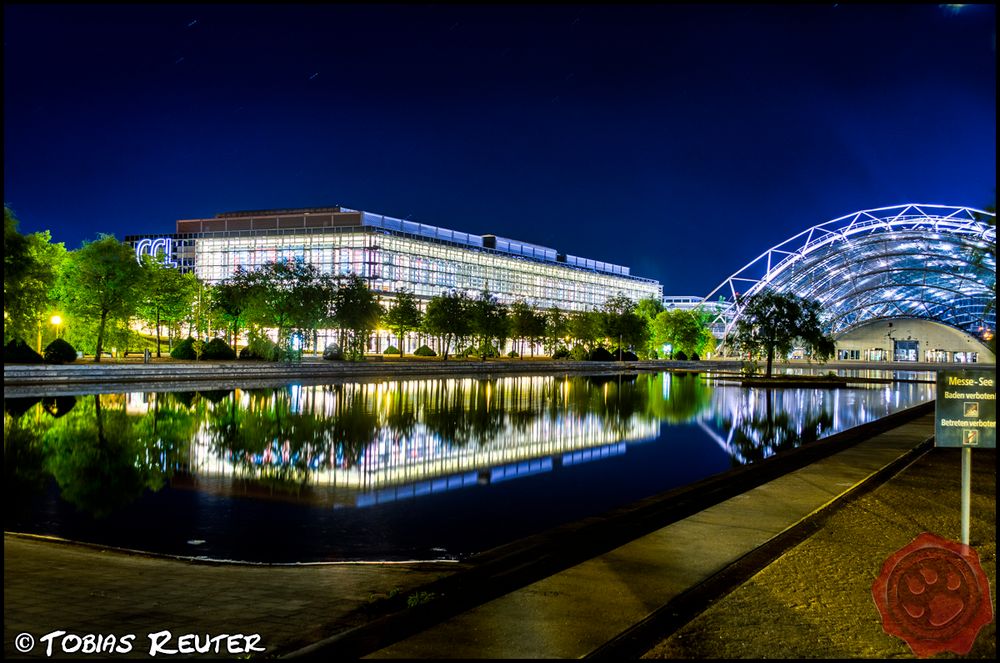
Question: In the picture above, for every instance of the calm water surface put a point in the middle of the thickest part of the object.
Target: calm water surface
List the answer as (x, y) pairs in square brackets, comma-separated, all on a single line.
[(414, 469)]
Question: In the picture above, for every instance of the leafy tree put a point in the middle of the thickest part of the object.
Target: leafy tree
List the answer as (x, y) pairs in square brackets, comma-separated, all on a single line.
[(287, 296), (686, 330), (526, 324), (621, 324), (772, 322), (357, 312), (233, 300), (490, 322), (403, 317), (556, 329), (168, 295), (448, 318), (647, 309), (102, 283), (584, 327), (31, 265)]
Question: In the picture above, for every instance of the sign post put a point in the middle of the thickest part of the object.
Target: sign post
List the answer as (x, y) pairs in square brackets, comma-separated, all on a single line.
[(966, 417)]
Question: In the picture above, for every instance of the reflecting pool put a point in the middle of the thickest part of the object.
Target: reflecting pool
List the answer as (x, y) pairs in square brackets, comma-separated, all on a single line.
[(394, 470)]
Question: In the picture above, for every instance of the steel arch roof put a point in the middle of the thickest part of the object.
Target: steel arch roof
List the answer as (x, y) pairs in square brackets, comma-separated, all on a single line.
[(933, 262)]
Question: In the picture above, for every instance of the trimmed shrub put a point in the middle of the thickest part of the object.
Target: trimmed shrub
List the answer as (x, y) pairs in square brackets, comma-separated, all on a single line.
[(626, 355), (261, 348), (218, 349), (184, 350), (695, 357), (578, 353), (680, 356), (333, 352), (391, 350), (513, 353), (600, 353), (465, 352), (562, 352), (424, 351), (60, 351), (18, 352)]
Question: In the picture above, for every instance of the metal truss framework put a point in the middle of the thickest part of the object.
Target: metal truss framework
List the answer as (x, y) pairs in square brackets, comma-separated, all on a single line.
[(933, 262)]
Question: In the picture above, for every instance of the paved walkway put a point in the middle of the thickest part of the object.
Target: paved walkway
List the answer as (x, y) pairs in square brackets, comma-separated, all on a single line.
[(621, 602)]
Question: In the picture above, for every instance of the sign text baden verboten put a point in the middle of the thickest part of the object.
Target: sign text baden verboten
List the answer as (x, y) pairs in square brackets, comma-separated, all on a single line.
[(966, 409)]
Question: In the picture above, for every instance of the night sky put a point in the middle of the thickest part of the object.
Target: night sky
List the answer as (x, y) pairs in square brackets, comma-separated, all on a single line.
[(682, 141)]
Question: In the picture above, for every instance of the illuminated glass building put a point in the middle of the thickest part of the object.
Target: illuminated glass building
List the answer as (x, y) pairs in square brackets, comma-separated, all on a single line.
[(393, 255), (905, 283)]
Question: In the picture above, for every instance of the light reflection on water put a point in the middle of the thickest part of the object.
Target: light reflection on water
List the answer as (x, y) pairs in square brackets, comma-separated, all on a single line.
[(397, 469)]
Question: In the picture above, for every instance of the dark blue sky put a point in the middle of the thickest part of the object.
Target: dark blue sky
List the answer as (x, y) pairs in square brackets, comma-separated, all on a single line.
[(682, 141)]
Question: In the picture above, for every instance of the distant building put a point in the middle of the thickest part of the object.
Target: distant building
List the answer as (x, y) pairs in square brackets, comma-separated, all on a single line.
[(392, 255)]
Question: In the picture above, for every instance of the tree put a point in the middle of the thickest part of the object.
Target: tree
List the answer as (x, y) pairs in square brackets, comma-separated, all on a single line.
[(232, 299), (584, 328), (621, 324), (555, 329), (526, 324), (647, 309), (772, 322), (685, 331), (490, 322), (101, 283), (286, 296), (357, 312), (403, 317), (31, 265), (535, 328), (448, 318), (168, 295)]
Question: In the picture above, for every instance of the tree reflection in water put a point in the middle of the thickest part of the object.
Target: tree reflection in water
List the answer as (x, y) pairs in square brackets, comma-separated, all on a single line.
[(103, 458), (105, 451)]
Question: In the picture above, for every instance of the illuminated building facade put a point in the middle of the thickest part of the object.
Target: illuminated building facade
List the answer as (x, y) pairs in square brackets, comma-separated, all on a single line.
[(394, 254)]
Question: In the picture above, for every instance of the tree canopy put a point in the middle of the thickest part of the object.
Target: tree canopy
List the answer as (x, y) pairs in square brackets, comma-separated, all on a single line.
[(447, 318), (403, 316), (357, 312), (101, 284), (31, 265), (773, 322), (168, 295), (685, 331)]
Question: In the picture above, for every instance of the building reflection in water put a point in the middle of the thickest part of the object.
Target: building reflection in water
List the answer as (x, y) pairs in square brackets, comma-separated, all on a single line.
[(362, 444), (394, 440)]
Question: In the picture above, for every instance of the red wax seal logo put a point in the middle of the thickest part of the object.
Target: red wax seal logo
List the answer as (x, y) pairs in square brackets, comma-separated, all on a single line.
[(933, 594)]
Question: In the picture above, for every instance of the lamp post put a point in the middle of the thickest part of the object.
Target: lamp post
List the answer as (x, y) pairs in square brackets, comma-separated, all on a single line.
[(56, 321)]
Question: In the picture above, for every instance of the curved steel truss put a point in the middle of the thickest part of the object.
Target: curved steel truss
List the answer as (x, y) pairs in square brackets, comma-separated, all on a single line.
[(909, 261)]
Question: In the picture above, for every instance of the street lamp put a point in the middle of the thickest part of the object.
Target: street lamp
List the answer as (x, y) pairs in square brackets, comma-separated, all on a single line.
[(56, 320)]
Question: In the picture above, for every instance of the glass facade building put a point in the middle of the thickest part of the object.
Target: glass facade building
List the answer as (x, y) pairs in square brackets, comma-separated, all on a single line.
[(394, 254), (925, 262)]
